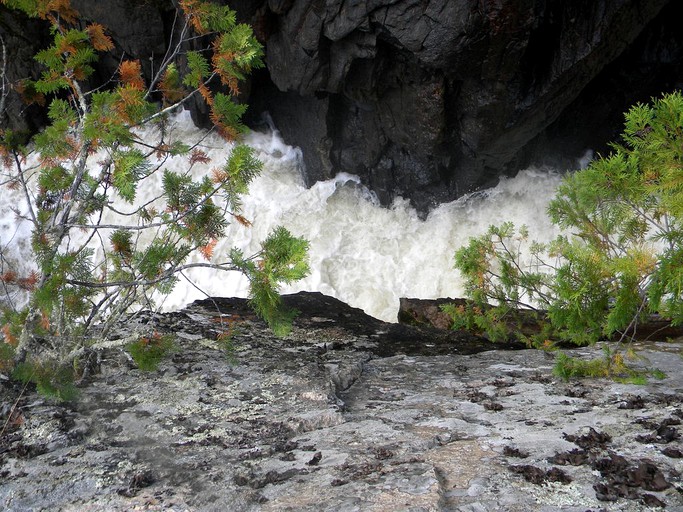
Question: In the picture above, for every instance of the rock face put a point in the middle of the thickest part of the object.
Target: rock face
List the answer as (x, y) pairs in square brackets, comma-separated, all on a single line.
[(434, 99), (21, 38), (426, 99), (346, 413)]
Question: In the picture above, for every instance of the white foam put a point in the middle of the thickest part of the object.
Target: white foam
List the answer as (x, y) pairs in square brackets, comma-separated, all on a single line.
[(361, 253)]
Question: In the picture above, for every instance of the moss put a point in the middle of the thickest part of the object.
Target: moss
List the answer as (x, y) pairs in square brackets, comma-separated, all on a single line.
[(612, 365), (51, 379), (148, 351)]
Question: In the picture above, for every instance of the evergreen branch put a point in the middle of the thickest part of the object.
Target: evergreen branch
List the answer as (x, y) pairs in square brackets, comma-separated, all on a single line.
[(172, 108), (75, 293), (99, 346), (164, 276)]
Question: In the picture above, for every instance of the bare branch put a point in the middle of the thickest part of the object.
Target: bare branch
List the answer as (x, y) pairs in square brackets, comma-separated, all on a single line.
[(4, 82)]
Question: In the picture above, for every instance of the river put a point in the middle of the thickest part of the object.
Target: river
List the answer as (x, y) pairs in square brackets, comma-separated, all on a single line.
[(364, 254)]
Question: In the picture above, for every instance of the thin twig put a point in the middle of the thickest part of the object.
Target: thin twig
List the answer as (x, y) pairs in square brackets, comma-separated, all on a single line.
[(14, 406)]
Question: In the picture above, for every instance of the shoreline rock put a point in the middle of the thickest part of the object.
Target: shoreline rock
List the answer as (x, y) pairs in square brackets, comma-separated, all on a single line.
[(427, 313), (329, 418)]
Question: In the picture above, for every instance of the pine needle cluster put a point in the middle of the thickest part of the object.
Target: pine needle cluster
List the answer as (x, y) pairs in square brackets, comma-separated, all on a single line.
[(89, 155), (619, 261)]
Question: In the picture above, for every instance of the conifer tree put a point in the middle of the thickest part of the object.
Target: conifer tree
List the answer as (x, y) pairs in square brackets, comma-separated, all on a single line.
[(89, 154), (619, 260)]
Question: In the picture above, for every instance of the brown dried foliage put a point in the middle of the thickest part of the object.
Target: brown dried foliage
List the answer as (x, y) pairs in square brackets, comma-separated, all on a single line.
[(10, 338), (28, 94), (194, 12), (206, 94), (207, 250), (44, 321), (9, 277), (130, 97), (228, 133), (56, 11), (99, 40), (197, 156), (130, 74), (218, 175), (242, 220), (220, 62), (29, 282)]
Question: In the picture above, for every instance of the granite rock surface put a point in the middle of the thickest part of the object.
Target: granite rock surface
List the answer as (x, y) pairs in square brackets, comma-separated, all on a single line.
[(342, 416)]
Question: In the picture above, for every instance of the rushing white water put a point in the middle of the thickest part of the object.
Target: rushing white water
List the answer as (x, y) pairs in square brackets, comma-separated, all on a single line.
[(361, 253)]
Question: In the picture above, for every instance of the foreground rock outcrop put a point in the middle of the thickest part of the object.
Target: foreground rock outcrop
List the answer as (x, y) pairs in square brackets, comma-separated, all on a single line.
[(342, 416)]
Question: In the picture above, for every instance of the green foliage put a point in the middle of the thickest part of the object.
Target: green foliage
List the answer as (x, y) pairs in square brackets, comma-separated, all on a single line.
[(282, 259), (245, 53), (226, 343), (567, 367), (27, 6), (171, 85), (501, 323), (122, 243), (69, 58), (199, 69), (238, 172), (463, 317), (90, 153), (227, 112), (55, 179), (209, 17), (153, 261), (504, 292), (657, 374), (55, 140), (6, 356), (489, 322), (620, 260), (130, 167), (52, 379), (148, 352), (105, 126), (613, 364), (12, 140)]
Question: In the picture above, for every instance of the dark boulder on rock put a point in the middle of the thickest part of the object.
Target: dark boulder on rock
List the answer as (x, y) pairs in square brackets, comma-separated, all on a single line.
[(428, 313), (317, 311)]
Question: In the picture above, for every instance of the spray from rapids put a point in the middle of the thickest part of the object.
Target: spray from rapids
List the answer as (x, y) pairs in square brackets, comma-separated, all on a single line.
[(361, 253)]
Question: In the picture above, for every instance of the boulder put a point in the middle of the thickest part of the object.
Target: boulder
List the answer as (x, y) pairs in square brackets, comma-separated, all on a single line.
[(427, 313)]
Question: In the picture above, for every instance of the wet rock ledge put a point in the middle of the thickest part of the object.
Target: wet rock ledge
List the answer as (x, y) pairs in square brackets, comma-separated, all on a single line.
[(345, 414)]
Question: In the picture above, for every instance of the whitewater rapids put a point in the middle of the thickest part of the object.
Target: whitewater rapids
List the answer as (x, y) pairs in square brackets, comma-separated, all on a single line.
[(363, 254)]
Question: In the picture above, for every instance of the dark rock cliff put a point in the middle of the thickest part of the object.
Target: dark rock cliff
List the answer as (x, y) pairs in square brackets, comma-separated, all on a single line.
[(428, 99), (434, 99)]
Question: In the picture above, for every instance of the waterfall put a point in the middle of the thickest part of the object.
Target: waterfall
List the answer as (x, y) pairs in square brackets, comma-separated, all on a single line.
[(365, 255)]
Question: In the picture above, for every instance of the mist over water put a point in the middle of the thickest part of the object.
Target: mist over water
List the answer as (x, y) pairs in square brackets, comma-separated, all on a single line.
[(361, 253)]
